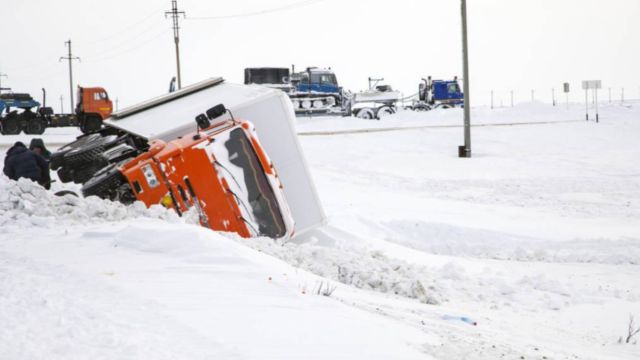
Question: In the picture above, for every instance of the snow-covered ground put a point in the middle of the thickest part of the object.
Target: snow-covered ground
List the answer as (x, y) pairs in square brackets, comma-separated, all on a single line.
[(536, 239)]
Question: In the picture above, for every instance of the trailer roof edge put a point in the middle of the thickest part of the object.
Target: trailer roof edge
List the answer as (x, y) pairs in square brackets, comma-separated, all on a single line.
[(163, 99)]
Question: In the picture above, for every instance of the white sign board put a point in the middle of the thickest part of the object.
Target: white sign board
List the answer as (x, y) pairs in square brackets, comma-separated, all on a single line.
[(591, 84)]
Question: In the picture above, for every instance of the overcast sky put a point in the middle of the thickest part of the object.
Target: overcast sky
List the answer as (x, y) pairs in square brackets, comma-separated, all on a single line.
[(127, 46)]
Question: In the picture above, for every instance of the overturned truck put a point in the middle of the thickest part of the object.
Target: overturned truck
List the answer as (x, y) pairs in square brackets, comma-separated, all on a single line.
[(228, 152)]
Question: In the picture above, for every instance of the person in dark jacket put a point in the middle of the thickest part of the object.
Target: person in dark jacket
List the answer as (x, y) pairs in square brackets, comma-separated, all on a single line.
[(21, 162), (37, 146)]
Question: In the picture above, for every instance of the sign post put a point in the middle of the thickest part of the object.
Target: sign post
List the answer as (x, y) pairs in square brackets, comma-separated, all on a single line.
[(591, 85)]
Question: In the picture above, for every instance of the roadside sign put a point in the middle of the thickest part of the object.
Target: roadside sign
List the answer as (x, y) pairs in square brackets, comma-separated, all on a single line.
[(591, 84)]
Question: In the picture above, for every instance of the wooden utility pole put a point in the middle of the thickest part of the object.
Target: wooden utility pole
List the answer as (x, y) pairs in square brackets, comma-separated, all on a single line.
[(70, 58), (175, 15)]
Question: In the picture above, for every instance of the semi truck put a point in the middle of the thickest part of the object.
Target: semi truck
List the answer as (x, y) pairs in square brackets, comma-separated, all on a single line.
[(438, 94), (156, 153), (20, 112)]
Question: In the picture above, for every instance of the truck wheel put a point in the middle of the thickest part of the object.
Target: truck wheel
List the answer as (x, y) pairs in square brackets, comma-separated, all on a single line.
[(83, 174), (57, 158), (36, 126), (104, 183), (384, 111), (91, 124), (89, 151), (11, 125), (365, 113), (65, 175)]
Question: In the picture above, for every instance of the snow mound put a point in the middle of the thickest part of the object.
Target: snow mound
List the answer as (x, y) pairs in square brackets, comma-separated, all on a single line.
[(359, 267), (24, 203)]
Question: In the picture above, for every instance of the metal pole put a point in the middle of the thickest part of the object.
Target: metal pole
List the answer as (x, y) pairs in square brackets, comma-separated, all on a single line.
[(175, 14), (491, 99), (467, 102), (1, 76), (553, 96), (586, 102), (596, 95), (61, 105)]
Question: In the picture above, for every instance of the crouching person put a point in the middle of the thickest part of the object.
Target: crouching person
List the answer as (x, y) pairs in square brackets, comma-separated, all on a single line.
[(21, 162)]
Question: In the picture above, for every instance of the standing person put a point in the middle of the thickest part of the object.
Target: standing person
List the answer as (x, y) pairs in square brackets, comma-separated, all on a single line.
[(21, 162), (37, 146)]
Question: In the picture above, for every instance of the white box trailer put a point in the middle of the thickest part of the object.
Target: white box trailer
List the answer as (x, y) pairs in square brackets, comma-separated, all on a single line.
[(172, 115)]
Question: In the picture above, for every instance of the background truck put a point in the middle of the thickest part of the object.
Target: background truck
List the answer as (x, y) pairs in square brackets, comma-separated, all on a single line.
[(313, 91), (130, 136), (20, 112), (376, 102), (438, 94)]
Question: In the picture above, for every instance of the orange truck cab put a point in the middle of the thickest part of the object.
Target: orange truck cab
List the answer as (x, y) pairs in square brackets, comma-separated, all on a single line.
[(222, 173), (94, 101)]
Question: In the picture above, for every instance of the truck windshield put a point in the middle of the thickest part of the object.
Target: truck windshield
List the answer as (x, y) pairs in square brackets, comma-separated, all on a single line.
[(251, 186), (452, 88), (323, 79)]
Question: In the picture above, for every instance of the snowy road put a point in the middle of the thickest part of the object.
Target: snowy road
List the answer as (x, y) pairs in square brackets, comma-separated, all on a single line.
[(536, 238)]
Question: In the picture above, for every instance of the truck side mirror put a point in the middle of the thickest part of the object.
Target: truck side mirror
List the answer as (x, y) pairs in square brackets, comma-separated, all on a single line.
[(216, 111), (202, 121)]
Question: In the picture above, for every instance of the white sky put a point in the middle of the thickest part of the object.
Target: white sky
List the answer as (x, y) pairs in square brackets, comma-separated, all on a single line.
[(127, 46)]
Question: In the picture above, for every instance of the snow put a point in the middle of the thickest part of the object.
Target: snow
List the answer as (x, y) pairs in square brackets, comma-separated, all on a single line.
[(535, 240)]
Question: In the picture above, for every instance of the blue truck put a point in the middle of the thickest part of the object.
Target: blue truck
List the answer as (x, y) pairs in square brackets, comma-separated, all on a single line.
[(438, 94), (313, 91)]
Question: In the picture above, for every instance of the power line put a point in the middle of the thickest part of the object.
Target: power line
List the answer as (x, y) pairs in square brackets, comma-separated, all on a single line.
[(260, 12), (132, 48), (125, 29), (175, 15)]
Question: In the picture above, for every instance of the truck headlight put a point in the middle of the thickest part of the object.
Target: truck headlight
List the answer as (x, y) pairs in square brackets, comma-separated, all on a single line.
[(150, 175)]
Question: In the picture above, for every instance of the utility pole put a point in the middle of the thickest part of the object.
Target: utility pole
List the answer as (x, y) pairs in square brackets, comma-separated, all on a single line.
[(61, 105), (465, 151), (1, 76), (175, 15), (491, 99), (70, 58)]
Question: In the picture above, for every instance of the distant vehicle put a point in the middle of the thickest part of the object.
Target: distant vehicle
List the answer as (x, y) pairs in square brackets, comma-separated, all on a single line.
[(93, 107), (438, 94), (313, 91), (376, 102)]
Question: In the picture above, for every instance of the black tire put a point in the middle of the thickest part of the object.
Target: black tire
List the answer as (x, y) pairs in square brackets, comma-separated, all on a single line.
[(86, 172), (91, 124), (104, 182), (65, 175), (36, 126), (57, 158), (65, 192), (11, 125), (89, 151), (366, 113)]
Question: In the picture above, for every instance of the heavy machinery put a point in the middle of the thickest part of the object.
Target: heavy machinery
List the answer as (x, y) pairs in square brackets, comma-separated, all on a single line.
[(313, 91), (154, 152), (93, 107), (438, 94)]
